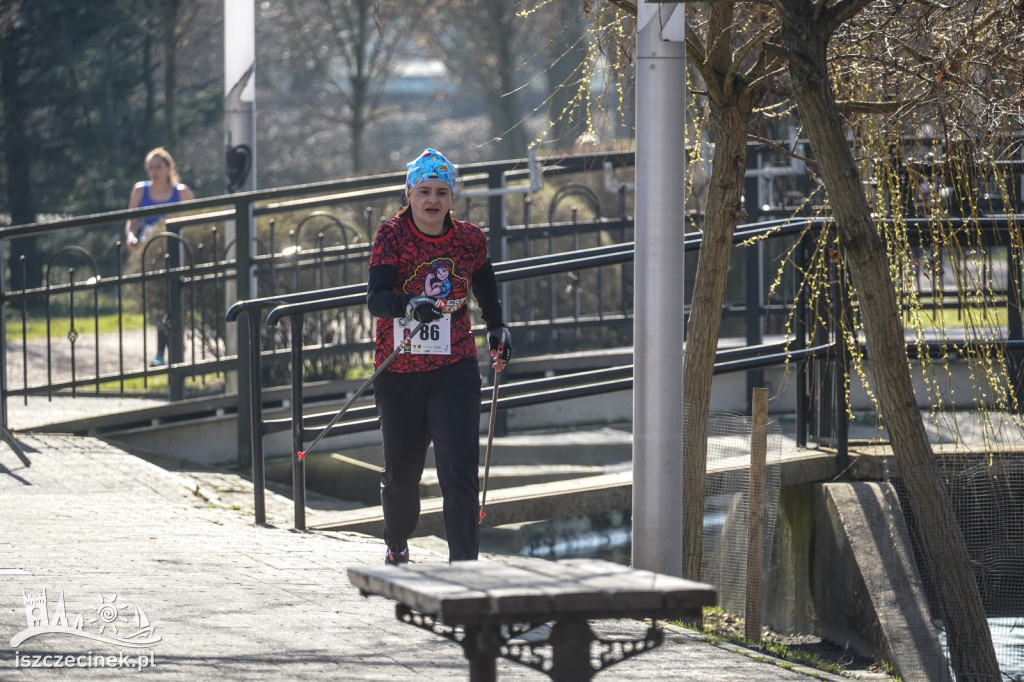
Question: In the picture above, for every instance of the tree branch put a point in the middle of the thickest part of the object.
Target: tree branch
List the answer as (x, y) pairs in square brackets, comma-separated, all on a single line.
[(757, 40), (852, 106), (625, 5), (780, 149), (842, 11), (695, 50), (860, 107)]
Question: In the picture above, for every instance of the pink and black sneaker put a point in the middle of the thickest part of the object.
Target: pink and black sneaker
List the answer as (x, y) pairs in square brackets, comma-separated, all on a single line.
[(393, 558)]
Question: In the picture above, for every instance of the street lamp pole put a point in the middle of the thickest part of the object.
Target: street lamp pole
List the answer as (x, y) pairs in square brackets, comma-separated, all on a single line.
[(240, 176), (658, 292)]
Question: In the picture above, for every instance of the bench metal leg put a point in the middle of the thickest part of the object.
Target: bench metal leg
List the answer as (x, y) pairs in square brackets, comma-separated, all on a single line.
[(478, 645), (570, 650), (565, 655)]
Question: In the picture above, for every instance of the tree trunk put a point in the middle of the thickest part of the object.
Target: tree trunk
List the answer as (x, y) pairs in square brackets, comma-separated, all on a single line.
[(360, 84), (970, 643), (731, 104), (503, 104), (728, 125), (18, 154), (506, 117), (170, 40)]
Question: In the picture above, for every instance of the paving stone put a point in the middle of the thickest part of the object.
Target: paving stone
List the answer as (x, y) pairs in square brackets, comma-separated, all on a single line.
[(230, 600)]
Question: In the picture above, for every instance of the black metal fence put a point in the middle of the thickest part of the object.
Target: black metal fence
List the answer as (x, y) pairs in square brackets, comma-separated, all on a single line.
[(815, 349), (91, 314)]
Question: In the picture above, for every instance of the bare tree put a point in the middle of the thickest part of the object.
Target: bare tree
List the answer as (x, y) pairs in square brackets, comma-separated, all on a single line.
[(566, 73), (333, 60), (736, 74), (168, 26), (486, 47), (588, 71), (892, 53), (806, 29)]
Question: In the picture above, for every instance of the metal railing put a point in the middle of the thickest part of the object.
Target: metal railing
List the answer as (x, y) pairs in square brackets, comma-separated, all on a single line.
[(239, 247), (294, 307), (265, 242), (818, 360)]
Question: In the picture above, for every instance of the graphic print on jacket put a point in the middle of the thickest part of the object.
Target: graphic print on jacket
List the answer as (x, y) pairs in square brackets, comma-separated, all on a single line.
[(436, 266)]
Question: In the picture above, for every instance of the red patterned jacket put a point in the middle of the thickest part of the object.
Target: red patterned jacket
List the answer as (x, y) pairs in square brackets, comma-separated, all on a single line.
[(405, 262)]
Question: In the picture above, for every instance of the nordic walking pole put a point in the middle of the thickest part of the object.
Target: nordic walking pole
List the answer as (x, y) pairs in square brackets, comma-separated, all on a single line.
[(490, 441), (359, 392)]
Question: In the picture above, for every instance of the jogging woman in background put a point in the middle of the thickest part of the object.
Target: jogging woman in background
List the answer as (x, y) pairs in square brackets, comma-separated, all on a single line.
[(431, 391), (163, 187)]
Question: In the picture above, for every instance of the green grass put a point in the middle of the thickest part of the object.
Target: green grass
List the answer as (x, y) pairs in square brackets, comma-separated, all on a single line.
[(890, 670), (159, 383), (720, 626), (35, 327), (947, 317)]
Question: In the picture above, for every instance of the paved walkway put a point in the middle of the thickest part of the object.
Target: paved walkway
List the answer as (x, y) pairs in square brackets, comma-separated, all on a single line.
[(105, 533)]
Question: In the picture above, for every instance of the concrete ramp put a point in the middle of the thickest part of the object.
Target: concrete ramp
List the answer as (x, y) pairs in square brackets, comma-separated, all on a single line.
[(868, 592), (555, 500), (563, 499)]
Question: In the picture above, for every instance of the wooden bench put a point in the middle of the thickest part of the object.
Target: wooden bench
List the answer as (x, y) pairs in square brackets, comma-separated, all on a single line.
[(489, 607)]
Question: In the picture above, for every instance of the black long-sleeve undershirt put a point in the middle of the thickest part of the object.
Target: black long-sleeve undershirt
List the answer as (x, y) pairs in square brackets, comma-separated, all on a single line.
[(485, 289)]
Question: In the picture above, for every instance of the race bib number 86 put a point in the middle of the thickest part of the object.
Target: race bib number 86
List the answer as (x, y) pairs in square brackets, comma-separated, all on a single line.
[(432, 338)]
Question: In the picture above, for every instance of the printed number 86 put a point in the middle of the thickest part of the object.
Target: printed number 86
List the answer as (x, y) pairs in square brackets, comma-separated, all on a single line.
[(430, 332)]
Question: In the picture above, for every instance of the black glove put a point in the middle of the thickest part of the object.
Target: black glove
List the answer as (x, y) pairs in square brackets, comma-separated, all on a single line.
[(500, 341), (423, 308)]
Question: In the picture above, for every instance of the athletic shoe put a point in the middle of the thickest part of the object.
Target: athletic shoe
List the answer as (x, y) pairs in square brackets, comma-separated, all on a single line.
[(396, 558), (158, 361)]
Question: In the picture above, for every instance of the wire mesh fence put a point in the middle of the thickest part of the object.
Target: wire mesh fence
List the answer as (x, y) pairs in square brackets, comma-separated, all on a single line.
[(987, 495), (727, 509)]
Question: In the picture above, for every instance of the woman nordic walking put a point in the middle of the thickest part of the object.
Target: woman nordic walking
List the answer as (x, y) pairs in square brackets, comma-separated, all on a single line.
[(431, 391)]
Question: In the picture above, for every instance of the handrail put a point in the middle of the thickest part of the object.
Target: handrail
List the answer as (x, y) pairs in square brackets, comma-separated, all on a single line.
[(325, 299), (329, 299), (541, 384), (294, 306), (255, 304), (549, 389)]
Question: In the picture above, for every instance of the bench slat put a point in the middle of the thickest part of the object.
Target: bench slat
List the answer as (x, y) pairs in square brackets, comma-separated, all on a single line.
[(624, 588), (533, 590), (421, 592), (510, 590)]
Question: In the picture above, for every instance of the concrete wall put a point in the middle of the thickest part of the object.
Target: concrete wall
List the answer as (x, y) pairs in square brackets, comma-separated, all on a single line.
[(842, 568), (788, 602)]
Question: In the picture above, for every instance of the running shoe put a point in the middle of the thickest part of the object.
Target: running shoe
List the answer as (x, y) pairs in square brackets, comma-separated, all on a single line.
[(396, 558)]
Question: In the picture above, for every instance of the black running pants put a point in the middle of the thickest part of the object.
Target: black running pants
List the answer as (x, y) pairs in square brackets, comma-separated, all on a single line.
[(415, 408)]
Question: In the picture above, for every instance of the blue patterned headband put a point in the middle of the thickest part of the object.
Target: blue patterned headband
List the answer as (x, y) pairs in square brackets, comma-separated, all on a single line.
[(431, 165)]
